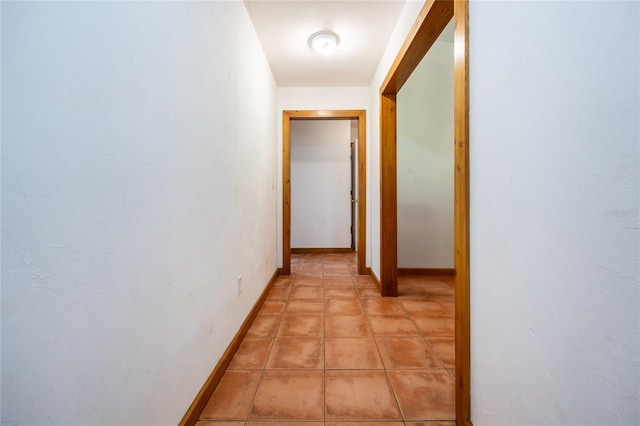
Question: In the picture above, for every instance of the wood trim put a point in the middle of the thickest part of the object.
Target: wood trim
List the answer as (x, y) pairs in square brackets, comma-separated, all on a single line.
[(362, 194), (315, 114), (388, 197), (375, 279), (286, 192), (287, 116), (426, 271), (197, 406), (434, 16), (461, 213), (312, 250)]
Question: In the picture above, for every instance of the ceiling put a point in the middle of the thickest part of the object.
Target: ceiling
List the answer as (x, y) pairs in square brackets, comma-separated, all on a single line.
[(284, 27)]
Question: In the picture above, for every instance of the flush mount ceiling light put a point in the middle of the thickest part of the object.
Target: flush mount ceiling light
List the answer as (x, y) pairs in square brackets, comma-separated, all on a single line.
[(324, 42)]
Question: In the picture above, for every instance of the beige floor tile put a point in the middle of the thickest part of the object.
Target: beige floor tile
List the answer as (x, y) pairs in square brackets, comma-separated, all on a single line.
[(278, 293), (343, 307), (347, 326), (432, 423), (340, 293), (364, 424), (281, 423), (338, 281), (304, 306), (407, 352), (424, 395), (411, 292), (307, 280), (364, 281), (297, 325), (445, 348), (351, 353), (423, 307), (303, 292), (264, 326), (283, 281), (252, 353), (313, 356), (382, 307), (233, 397), (296, 352), (359, 395), (368, 292), (289, 395), (340, 271), (272, 307), (311, 270), (392, 326), (435, 326)]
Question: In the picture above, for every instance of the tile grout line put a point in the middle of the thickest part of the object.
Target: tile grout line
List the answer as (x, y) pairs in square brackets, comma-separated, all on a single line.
[(425, 337), (384, 365), (325, 261), (264, 368), (324, 353)]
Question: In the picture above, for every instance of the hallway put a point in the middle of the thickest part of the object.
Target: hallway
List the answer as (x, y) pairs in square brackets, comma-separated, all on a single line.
[(327, 349)]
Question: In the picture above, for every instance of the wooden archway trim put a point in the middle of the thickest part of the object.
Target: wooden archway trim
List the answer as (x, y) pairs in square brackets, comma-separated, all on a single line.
[(289, 115), (433, 18)]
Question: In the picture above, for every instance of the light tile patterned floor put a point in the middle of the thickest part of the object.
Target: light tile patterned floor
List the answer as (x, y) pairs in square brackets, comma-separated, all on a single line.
[(326, 349)]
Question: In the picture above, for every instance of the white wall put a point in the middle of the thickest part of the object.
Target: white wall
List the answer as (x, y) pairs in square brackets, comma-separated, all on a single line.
[(405, 22), (320, 184), (555, 308), (425, 162), (554, 213), (322, 98), (134, 194)]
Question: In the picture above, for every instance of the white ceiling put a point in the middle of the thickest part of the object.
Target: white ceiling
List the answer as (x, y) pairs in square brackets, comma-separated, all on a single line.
[(284, 27)]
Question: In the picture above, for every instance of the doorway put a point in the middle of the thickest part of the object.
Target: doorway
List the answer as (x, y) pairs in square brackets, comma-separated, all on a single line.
[(321, 192), (360, 201), (433, 18), (424, 146)]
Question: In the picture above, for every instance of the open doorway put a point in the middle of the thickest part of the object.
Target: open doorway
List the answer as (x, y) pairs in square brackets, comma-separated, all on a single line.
[(321, 186), (424, 144), (360, 201), (432, 20)]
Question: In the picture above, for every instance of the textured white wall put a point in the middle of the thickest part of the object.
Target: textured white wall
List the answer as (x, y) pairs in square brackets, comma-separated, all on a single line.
[(320, 184), (425, 162), (322, 98), (554, 212), (133, 195)]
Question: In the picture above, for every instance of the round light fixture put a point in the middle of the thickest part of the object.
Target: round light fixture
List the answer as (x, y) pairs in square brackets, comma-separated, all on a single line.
[(324, 42)]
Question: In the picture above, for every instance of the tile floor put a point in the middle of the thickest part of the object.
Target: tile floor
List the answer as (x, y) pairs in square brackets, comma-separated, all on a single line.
[(326, 349)]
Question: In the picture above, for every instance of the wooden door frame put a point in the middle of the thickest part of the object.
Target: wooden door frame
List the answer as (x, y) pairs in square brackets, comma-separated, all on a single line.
[(289, 115), (433, 18)]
